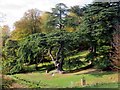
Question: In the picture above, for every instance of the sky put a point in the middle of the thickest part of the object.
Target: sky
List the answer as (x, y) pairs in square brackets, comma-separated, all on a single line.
[(13, 10)]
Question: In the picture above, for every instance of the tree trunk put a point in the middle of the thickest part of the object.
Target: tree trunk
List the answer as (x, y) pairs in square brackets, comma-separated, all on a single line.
[(93, 48), (115, 56), (51, 56), (58, 55), (60, 19), (36, 64), (58, 62)]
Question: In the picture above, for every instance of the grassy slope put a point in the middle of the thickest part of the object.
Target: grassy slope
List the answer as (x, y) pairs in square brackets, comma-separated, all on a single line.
[(69, 80)]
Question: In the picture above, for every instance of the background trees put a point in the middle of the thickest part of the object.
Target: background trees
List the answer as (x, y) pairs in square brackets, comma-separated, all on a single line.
[(5, 33), (32, 17), (46, 27), (59, 14), (28, 24)]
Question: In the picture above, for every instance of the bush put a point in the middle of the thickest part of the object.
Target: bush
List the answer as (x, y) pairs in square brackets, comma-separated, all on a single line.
[(103, 63)]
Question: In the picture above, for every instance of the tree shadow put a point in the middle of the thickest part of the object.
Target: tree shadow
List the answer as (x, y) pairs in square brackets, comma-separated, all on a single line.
[(30, 69), (94, 72), (99, 73), (79, 69), (102, 73)]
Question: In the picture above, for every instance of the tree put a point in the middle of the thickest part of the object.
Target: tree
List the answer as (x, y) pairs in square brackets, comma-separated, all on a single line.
[(74, 18), (32, 49), (33, 18), (97, 26), (9, 56), (5, 33), (45, 24), (19, 34), (29, 24), (59, 43), (58, 16), (115, 55), (77, 10), (27, 51)]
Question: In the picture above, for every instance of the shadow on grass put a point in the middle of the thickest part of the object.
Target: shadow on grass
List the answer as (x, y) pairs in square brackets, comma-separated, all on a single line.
[(94, 72), (40, 69), (100, 74), (79, 69)]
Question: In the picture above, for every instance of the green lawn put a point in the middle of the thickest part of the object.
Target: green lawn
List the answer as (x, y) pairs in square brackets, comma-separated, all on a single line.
[(43, 80)]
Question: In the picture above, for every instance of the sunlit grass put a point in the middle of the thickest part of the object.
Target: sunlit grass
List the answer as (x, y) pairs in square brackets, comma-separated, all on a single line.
[(68, 80), (80, 54)]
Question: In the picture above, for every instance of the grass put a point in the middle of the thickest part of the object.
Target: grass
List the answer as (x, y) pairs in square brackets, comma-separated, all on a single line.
[(68, 80), (105, 85), (80, 54)]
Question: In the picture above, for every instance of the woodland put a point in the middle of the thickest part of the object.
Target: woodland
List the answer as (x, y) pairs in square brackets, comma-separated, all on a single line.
[(65, 40)]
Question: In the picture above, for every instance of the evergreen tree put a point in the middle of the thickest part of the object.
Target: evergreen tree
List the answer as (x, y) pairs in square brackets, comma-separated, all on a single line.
[(58, 16), (98, 28)]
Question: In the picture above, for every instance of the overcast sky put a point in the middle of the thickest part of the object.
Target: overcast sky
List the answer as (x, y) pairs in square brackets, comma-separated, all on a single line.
[(14, 9)]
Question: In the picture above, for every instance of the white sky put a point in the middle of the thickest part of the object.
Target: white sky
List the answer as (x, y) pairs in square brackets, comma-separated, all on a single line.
[(14, 9)]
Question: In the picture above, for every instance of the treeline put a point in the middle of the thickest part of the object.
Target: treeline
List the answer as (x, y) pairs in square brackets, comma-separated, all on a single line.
[(53, 35)]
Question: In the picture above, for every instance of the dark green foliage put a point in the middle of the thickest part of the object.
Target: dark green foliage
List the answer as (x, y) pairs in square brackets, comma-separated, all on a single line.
[(59, 43), (72, 64), (9, 55), (58, 16), (98, 28), (34, 49), (78, 10)]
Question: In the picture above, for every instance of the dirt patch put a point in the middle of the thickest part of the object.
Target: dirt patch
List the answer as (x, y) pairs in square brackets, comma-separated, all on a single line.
[(16, 85), (87, 71), (10, 82)]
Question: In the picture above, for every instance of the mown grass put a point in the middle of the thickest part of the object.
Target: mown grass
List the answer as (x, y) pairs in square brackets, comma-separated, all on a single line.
[(69, 80)]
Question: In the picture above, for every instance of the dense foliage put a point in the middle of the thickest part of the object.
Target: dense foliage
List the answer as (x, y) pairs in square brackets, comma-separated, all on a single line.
[(98, 26), (94, 28)]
